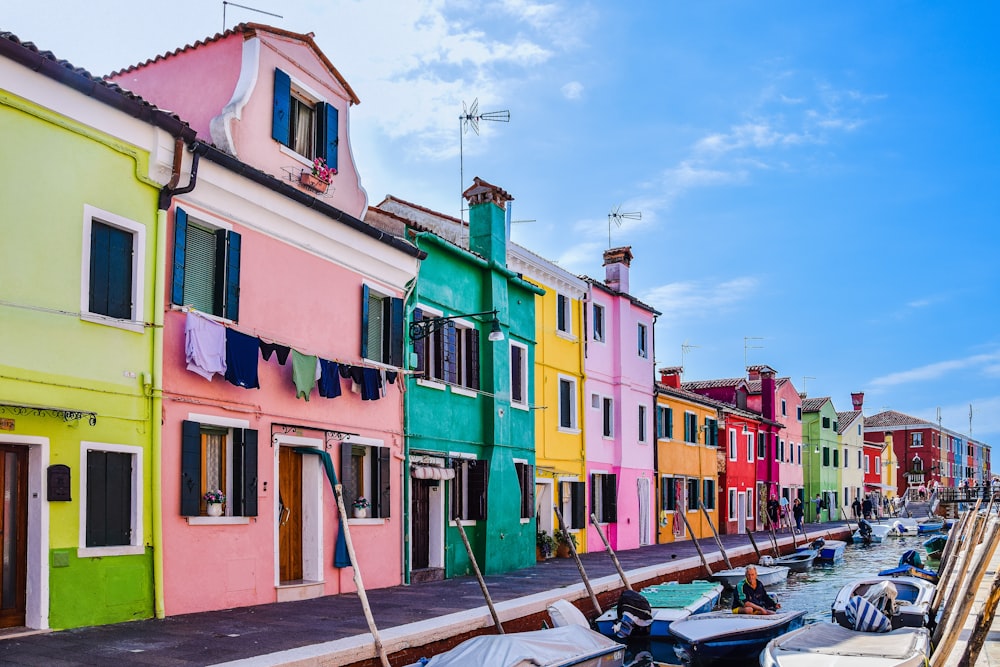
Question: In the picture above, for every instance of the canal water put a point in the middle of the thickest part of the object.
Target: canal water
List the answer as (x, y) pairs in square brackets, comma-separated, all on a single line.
[(815, 590)]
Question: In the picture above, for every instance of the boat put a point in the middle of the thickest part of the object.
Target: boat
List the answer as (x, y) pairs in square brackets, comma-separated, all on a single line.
[(935, 546), (910, 565), (929, 525), (800, 561), (879, 532), (766, 574), (905, 600), (830, 645), (668, 603), (829, 550), (553, 647), (722, 636), (903, 526)]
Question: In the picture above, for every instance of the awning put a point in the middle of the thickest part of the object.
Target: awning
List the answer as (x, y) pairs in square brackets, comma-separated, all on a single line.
[(431, 472), (876, 485)]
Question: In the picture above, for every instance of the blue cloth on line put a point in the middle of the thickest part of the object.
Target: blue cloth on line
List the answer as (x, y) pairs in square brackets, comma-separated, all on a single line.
[(242, 354), (371, 385), (329, 379)]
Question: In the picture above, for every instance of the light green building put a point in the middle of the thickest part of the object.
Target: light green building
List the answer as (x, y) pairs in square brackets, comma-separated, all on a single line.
[(80, 174), (822, 451)]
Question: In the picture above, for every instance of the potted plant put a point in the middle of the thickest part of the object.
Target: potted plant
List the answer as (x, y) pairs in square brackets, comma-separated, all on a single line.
[(563, 539), (318, 178), (214, 500), (545, 544), (360, 506)]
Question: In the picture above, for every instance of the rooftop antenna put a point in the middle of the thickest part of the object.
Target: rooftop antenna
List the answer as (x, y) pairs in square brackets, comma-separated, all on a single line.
[(685, 347), (470, 118), (617, 216), (970, 420), (259, 11), (748, 346), (804, 378)]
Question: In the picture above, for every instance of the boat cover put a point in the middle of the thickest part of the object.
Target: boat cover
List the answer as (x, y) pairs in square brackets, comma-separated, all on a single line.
[(704, 627), (681, 595), (864, 616), (831, 639), (556, 646)]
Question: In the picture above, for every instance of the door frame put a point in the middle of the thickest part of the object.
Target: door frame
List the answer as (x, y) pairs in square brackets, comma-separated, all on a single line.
[(545, 498), (741, 512), (36, 612), (436, 521), (313, 481)]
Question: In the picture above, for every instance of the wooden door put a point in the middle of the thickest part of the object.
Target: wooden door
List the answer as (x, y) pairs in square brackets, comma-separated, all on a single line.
[(421, 524), (13, 533), (289, 515)]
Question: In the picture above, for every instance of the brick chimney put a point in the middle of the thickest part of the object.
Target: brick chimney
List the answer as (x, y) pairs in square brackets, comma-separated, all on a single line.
[(767, 390), (487, 220), (858, 400), (616, 263), (671, 376)]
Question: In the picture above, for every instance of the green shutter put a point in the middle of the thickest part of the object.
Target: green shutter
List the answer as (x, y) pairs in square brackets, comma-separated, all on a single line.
[(232, 285), (281, 116), (180, 253), (384, 482), (199, 270), (670, 423), (364, 321), (190, 468)]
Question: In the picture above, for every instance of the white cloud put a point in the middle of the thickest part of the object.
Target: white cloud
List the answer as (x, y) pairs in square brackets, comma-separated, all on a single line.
[(936, 370), (699, 298), (572, 90)]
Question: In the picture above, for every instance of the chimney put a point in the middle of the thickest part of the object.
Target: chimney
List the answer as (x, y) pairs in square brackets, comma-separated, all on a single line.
[(858, 400), (767, 390), (487, 221), (616, 263), (671, 376)]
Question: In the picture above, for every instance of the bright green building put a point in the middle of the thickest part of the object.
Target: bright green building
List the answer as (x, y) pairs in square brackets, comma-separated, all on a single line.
[(80, 173), (821, 449)]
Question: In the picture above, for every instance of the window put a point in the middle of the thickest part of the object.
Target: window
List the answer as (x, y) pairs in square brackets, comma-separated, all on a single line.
[(732, 444), (731, 513), (468, 491), (781, 450), (692, 494), (878, 464), (112, 279), (784, 408), (206, 267), (595, 401), (364, 471), (690, 427), (598, 323), (573, 501), (826, 456), (641, 330), (219, 456), (917, 439), (302, 122), (799, 448), (526, 481), (111, 510), (836, 425), (867, 464), (826, 422), (708, 493), (563, 315), (761, 445), (846, 458), (604, 497), (608, 428), (518, 375), (668, 494), (567, 403), (798, 413), (836, 460), (859, 462), (642, 423), (664, 422), (749, 503), (750, 447), (859, 429), (711, 432)]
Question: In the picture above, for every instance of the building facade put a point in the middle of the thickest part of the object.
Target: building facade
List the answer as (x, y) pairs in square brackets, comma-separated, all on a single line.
[(824, 456)]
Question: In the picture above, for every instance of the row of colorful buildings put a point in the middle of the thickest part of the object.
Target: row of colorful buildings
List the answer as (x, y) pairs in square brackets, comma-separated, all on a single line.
[(186, 309)]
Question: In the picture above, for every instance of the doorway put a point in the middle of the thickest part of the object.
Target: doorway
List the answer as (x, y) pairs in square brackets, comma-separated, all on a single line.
[(289, 515), (644, 531), (427, 530), (741, 512), (13, 534)]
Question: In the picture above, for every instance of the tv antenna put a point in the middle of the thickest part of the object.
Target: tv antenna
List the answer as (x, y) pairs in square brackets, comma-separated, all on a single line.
[(259, 11), (804, 378), (470, 118), (685, 348), (748, 346), (617, 216)]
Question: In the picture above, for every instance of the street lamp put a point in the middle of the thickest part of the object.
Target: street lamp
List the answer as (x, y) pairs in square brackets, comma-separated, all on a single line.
[(421, 329)]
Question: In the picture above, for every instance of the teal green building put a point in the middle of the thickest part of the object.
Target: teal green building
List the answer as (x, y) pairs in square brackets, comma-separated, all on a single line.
[(823, 465)]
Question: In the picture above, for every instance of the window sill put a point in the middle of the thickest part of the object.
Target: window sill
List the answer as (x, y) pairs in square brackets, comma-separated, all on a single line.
[(127, 325), (525, 520), (465, 522), (462, 391), (366, 522), (295, 155), (566, 335), (430, 384), (218, 520), (519, 406), (573, 431), (101, 552)]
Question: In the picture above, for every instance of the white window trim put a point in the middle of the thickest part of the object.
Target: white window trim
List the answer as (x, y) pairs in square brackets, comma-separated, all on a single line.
[(750, 502), (230, 424), (568, 315), (715, 498), (137, 546), (604, 324), (519, 405), (610, 436), (574, 410), (731, 510), (734, 447), (644, 352), (138, 231), (643, 418), (465, 456)]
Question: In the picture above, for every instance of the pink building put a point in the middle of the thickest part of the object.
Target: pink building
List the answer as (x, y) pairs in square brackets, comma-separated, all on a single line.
[(618, 405), (308, 301)]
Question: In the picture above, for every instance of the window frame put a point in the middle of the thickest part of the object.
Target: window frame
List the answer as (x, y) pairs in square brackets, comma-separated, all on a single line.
[(574, 425), (524, 385), (225, 276), (750, 505), (708, 493), (136, 544), (643, 425), (524, 470), (604, 487), (642, 342), (241, 459), (732, 508), (138, 290), (751, 447), (471, 477), (600, 323), (375, 471), (607, 417), (691, 491), (326, 115), (391, 337), (733, 446), (564, 315)]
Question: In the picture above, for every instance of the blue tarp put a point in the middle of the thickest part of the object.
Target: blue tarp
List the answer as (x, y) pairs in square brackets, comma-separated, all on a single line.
[(340, 556)]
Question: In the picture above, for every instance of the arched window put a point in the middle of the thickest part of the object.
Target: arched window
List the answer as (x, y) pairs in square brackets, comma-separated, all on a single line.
[(917, 465)]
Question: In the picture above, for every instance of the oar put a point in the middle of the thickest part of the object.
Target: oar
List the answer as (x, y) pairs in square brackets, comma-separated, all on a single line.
[(579, 564), (718, 541), (607, 547), (479, 576), (704, 561)]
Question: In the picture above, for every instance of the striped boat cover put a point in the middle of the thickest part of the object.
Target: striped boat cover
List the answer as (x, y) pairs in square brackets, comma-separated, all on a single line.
[(865, 617)]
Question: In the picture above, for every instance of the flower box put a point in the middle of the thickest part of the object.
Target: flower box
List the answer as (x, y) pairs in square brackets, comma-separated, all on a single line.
[(313, 182)]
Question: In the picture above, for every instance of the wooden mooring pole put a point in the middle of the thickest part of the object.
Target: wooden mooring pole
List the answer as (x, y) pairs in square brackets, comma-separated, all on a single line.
[(753, 543), (479, 576), (579, 564), (607, 547), (694, 541), (715, 534)]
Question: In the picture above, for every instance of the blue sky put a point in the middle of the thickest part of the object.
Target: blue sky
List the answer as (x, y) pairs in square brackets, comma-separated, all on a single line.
[(821, 177)]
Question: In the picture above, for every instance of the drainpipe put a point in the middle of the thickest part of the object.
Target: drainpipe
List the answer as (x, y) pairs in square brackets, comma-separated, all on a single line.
[(155, 384)]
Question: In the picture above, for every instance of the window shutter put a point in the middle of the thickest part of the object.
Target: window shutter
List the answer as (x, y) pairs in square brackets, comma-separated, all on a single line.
[(396, 326), (330, 138), (180, 245), (348, 475), (376, 318), (578, 503), (565, 414), (190, 468), (364, 322), (384, 484), (659, 422), (437, 340), (477, 489), (526, 479), (472, 359), (449, 340), (420, 346), (120, 276), (119, 499), (281, 116), (610, 498), (96, 500), (595, 480), (245, 463), (232, 284)]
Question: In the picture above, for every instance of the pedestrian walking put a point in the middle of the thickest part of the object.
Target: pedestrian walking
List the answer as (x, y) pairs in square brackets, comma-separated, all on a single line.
[(819, 505), (856, 508), (797, 512)]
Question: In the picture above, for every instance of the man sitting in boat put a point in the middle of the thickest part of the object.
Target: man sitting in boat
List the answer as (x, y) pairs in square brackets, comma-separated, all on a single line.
[(750, 596)]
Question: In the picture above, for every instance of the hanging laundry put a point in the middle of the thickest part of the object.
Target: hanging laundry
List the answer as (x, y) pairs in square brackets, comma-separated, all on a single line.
[(371, 385), (204, 346), (357, 377), (329, 379), (390, 376), (345, 370), (305, 372), (267, 349), (242, 354)]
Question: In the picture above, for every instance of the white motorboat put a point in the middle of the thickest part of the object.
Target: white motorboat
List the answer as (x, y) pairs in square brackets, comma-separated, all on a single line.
[(703, 639), (905, 600), (830, 645), (766, 574), (904, 526), (879, 531), (798, 561), (668, 603)]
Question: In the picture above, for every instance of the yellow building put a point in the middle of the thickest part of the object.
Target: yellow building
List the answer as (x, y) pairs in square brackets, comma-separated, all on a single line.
[(890, 467), (560, 475), (687, 427)]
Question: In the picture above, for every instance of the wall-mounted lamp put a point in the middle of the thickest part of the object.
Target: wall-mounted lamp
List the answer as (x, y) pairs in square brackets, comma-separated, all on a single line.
[(421, 329)]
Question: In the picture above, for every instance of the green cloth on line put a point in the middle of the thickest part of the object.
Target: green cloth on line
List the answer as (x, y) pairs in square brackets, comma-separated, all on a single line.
[(305, 372)]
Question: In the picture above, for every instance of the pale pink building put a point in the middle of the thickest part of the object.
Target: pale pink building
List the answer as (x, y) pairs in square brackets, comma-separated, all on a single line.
[(618, 405), (278, 267)]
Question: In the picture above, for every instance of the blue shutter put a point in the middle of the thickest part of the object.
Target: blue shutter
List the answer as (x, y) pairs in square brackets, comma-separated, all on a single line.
[(180, 246), (450, 344), (330, 138), (190, 468), (280, 119), (396, 326), (420, 346), (232, 300), (364, 321)]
